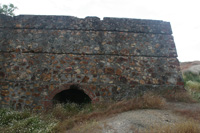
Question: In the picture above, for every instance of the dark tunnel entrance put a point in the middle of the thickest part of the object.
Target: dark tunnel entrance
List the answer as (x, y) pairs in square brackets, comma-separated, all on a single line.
[(72, 95)]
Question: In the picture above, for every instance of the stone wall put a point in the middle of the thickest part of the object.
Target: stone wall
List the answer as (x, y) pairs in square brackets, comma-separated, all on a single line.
[(113, 58)]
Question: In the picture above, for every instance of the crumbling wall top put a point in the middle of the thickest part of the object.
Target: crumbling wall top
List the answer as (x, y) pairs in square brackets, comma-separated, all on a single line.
[(88, 23)]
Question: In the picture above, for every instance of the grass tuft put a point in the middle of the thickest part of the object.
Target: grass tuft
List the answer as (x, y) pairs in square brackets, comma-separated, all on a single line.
[(182, 127), (192, 81), (24, 121), (194, 114), (178, 96)]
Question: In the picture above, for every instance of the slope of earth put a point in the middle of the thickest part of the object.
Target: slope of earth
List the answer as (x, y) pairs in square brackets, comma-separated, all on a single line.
[(140, 121), (187, 65)]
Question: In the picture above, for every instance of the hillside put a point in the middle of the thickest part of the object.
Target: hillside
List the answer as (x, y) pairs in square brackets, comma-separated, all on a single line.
[(187, 65)]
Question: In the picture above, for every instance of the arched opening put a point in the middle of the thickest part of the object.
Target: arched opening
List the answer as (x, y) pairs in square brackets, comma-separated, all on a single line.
[(72, 95)]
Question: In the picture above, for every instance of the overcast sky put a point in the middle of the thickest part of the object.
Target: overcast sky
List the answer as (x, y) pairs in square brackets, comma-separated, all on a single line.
[(184, 16)]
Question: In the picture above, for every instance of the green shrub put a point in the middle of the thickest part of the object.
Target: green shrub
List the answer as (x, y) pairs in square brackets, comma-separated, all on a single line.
[(192, 83), (24, 122), (189, 76), (7, 116)]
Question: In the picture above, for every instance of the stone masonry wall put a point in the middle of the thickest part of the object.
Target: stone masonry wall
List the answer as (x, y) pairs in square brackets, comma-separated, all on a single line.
[(113, 58)]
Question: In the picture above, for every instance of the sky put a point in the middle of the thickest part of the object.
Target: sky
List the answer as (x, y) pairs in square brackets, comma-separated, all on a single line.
[(182, 14)]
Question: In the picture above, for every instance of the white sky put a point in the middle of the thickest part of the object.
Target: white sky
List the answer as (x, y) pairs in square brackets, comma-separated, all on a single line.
[(184, 16)]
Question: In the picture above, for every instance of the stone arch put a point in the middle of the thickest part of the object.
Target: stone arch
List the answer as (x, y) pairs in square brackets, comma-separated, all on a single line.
[(48, 100)]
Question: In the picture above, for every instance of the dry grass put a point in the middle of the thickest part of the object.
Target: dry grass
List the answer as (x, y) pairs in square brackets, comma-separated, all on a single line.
[(147, 101), (177, 96), (194, 114), (182, 127)]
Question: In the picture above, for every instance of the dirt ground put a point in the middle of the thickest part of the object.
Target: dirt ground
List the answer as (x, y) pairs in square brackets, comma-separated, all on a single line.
[(138, 121)]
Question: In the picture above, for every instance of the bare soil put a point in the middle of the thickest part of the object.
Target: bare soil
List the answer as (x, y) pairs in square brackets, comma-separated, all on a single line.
[(139, 121)]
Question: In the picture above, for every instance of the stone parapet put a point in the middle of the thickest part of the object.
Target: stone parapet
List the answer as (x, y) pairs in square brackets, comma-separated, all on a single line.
[(88, 23)]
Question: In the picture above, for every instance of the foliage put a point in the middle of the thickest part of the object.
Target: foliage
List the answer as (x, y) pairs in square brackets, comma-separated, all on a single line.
[(24, 121), (189, 76), (8, 9), (192, 83)]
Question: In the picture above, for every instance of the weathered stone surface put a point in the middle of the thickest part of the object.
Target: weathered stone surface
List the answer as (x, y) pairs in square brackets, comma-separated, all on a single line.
[(89, 23), (87, 42), (110, 59)]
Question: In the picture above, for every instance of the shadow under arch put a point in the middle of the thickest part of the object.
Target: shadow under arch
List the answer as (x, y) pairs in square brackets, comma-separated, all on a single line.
[(48, 100), (72, 95)]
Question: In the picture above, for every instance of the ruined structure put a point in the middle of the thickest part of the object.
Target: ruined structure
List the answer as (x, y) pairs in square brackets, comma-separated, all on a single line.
[(47, 59)]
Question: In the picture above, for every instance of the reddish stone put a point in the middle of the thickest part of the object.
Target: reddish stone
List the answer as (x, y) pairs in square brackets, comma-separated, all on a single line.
[(46, 77), (17, 50), (124, 51), (134, 82), (36, 94), (12, 55), (96, 99), (4, 92), (37, 108), (123, 79), (31, 62), (121, 59), (28, 93), (58, 67), (97, 93), (16, 68), (53, 57), (93, 71), (47, 104), (118, 72), (27, 102), (55, 62), (23, 89), (72, 63), (77, 58), (18, 106), (46, 98), (68, 69), (2, 74), (84, 62), (40, 89), (62, 62), (150, 70), (109, 70), (180, 83), (21, 100), (85, 79), (92, 87)]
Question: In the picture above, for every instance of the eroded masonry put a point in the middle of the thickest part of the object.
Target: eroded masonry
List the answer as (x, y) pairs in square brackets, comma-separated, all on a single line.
[(50, 59)]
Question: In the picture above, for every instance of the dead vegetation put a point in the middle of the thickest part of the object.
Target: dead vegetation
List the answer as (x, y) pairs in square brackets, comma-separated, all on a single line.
[(190, 126), (72, 116), (189, 113), (177, 96), (105, 110)]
